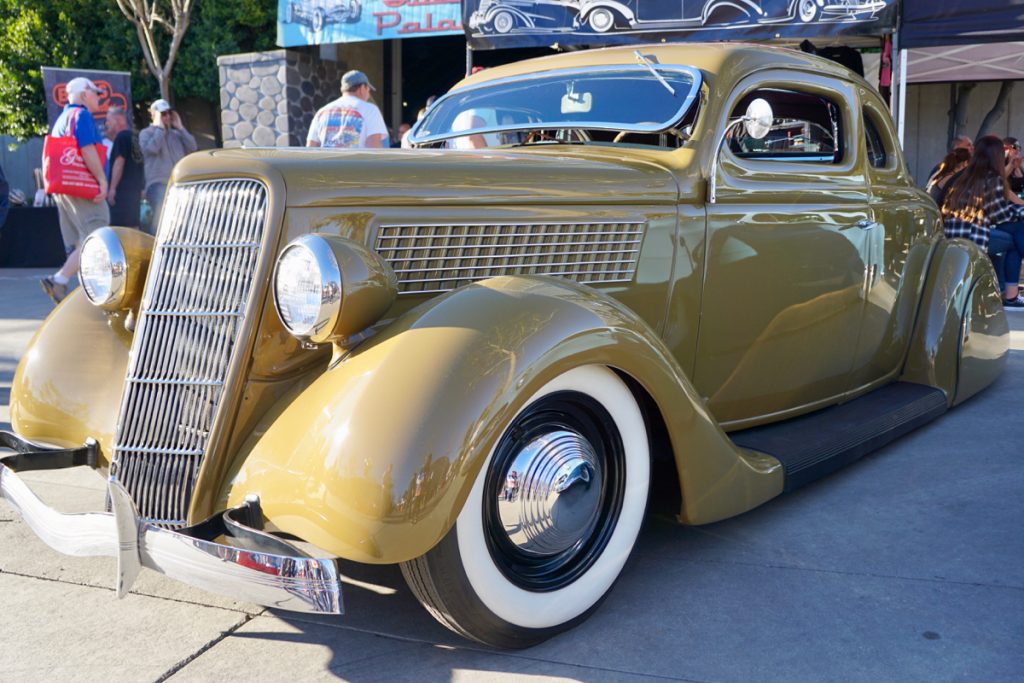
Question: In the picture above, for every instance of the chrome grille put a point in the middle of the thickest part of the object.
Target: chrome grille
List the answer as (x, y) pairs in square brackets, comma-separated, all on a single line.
[(439, 258), (197, 291)]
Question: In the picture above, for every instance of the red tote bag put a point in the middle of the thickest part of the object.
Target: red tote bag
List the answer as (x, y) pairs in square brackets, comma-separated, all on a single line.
[(64, 170)]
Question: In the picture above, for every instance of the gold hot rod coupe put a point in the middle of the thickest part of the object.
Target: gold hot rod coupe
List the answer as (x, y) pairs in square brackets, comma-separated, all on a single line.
[(705, 263)]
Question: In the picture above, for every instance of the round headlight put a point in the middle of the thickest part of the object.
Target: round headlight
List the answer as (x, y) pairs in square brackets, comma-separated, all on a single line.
[(103, 268), (307, 288)]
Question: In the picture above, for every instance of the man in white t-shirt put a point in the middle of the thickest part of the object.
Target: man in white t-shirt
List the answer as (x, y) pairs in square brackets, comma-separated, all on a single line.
[(351, 120)]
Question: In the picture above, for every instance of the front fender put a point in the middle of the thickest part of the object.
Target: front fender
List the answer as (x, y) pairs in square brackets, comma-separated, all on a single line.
[(961, 338), (68, 384), (374, 458)]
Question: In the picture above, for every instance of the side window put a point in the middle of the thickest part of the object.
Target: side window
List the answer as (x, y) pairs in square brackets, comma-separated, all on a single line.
[(806, 128), (877, 156)]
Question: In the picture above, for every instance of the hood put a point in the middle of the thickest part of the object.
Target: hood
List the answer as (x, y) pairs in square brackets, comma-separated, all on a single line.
[(396, 177)]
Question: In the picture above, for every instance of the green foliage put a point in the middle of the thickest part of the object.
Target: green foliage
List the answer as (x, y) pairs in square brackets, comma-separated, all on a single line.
[(37, 33), (95, 35), (221, 27)]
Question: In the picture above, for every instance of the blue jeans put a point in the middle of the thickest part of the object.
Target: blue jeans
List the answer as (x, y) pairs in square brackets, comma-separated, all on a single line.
[(1016, 253), (999, 243), (155, 196), (1009, 238)]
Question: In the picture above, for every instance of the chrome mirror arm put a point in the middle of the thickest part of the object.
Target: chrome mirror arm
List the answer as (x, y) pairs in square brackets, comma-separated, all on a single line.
[(713, 176)]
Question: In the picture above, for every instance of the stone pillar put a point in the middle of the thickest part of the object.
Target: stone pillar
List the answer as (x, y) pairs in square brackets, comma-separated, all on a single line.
[(268, 99)]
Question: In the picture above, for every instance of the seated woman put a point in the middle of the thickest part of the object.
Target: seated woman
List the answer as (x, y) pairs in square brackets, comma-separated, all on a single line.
[(978, 206), (949, 169)]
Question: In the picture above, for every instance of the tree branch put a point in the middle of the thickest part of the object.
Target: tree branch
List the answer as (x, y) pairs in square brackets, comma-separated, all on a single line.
[(146, 15)]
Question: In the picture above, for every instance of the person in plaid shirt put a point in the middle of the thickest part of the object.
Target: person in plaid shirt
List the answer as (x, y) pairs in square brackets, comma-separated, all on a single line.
[(979, 207)]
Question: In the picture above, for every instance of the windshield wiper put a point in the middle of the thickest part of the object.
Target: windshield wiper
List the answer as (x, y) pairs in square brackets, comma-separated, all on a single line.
[(642, 59)]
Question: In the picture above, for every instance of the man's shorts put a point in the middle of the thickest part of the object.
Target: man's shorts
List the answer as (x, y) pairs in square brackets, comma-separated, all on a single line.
[(79, 217)]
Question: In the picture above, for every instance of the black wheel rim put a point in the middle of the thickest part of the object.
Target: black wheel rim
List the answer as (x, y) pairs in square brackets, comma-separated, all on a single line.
[(565, 412)]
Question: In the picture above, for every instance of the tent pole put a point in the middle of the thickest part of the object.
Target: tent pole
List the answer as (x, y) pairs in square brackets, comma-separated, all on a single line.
[(902, 106), (469, 59)]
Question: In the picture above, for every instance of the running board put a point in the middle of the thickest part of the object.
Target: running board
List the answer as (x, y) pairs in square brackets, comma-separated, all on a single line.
[(814, 445)]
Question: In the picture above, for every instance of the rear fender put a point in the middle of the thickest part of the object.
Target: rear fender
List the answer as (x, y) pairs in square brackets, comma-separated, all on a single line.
[(961, 339), (374, 458)]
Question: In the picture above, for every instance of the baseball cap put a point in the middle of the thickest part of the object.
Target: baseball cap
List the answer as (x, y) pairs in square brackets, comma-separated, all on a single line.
[(80, 84), (353, 79), (160, 106)]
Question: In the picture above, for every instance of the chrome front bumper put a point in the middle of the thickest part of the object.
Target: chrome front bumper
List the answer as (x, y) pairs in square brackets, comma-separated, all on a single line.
[(275, 573)]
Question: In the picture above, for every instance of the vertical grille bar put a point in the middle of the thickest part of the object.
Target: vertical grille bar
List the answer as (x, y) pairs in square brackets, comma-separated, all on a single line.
[(197, 290)]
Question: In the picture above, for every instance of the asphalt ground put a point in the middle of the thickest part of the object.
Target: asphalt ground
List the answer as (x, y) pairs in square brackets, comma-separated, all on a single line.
[(905, 566)]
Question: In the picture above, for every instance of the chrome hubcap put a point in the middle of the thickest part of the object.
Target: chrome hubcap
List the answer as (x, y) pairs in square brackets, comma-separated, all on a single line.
[(554, 502), (554, 491)]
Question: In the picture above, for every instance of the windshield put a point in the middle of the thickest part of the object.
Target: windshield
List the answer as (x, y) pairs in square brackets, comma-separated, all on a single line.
[(614, 98)]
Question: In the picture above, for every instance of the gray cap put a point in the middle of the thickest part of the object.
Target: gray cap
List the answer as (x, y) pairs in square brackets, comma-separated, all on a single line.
[(353, 79)]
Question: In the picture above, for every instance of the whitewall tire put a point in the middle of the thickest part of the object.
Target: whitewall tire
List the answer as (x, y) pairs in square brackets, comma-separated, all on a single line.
[(530, 557)]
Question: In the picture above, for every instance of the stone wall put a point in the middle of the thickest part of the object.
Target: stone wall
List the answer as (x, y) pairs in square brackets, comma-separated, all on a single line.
[(268, 99)]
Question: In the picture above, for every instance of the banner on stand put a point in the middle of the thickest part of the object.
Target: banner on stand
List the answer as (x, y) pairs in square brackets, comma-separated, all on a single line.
[(115, 87)]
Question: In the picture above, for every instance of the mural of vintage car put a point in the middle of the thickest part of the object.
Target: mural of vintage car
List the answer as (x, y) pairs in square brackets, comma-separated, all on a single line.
[(601, 16), (316, 14), (807, 11), (698, 275), (505, 16)]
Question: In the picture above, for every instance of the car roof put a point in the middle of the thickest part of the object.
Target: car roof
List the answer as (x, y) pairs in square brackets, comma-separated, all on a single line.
[(725, 62)]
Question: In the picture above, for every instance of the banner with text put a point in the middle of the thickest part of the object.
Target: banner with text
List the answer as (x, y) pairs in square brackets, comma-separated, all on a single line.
[(115, 87), (321, 22), (536, 23)]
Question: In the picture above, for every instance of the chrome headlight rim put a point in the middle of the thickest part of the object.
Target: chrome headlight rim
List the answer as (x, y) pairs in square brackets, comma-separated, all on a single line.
[(108, 240), (330, 286)]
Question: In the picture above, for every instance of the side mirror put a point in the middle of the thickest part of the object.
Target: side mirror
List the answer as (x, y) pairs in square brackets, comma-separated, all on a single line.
[(756, 122), (758, 119)]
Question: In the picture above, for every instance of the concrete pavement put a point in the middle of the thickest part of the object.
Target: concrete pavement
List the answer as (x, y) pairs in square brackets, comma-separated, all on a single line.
[(906, 566)]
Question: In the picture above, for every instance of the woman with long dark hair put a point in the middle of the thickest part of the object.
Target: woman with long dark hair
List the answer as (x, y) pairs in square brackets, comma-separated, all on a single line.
[(949, 168), (978, 207)]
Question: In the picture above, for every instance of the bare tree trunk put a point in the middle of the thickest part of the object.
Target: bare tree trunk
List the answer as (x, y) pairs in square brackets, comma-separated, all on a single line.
[(998, 109), (959, 112), (150, 15)]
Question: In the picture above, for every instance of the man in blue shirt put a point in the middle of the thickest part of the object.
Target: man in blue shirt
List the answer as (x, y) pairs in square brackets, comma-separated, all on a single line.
[(79, 217)]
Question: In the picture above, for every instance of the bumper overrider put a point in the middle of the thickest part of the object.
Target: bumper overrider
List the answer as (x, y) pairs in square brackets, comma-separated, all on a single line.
[(265, 570)]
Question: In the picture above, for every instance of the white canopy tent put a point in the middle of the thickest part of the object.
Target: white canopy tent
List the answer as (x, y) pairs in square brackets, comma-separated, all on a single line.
[(957, 40)]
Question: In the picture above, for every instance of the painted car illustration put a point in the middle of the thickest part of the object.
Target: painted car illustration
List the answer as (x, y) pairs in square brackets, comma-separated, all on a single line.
[(807, 11), (316, 14), (602, 16), (505, 16), (695, 276)]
